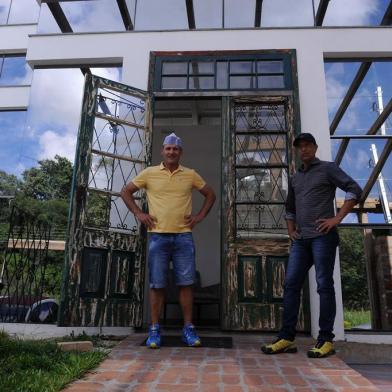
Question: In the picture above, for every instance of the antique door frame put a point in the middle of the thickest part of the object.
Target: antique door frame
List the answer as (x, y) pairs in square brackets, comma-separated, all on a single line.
[(103, 278), (288, 93), (264, 255)]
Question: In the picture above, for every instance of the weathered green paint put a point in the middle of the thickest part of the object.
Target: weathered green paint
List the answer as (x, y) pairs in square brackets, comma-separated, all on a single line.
[(108, 310), (264, 311)]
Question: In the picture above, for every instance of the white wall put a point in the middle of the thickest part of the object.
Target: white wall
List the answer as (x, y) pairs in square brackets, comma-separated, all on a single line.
[(14, 39), (14, 97)]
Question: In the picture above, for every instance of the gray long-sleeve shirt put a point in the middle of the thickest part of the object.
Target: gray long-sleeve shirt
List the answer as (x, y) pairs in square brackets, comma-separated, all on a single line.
[(311, 193)]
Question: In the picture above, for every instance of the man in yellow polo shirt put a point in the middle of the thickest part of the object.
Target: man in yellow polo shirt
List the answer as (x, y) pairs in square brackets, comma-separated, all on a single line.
[(170, 221)]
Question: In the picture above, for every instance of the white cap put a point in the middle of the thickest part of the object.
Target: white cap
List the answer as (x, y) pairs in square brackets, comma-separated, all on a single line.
[(173, 139)]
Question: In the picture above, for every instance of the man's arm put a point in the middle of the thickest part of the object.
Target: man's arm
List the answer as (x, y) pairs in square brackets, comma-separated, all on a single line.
[(127, 195), (353, 193), (290, 213), (209, 200), (325, 225)]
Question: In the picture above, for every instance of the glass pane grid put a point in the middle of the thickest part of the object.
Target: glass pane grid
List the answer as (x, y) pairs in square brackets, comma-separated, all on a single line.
[(261, 169), (222, 74)]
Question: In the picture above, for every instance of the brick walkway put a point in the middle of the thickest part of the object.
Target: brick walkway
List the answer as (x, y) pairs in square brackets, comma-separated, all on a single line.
[(131, 367)]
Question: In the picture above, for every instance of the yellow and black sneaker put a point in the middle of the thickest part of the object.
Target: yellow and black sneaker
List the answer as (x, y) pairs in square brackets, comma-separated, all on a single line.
[(322, 349), (279, 346)]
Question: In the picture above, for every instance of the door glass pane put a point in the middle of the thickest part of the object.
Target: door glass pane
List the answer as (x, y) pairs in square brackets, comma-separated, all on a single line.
[(242, 82), (260, 219), (275, 81), (261, 185), (261, 117), (176, 83), (173, 68), (222, 75), (25, 11), (269, 66), (121, 107), (14, 71), (203, 83), (201, 67), (245, 67), (260, 149)]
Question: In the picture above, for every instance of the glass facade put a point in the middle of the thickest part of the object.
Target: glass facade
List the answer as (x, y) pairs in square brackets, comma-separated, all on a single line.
[(153, 15), (18, 11), (12, 141), (14, 71)]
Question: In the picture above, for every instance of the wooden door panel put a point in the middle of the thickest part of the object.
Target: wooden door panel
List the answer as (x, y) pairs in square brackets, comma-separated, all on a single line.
[(258, 133), (105, 251)]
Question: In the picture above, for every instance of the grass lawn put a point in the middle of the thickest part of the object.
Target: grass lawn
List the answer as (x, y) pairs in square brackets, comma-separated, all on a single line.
[(39, 366), (353, 318)]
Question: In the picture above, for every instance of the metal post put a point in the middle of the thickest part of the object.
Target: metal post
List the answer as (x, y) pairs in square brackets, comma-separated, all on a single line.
[(380, 107), (381, 185), (381, 188)]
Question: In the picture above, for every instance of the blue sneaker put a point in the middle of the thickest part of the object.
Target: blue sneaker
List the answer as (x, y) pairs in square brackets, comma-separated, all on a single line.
[(190, 337), (154, 337)]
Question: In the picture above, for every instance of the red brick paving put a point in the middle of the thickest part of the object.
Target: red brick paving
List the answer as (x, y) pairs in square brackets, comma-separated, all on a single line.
[(131, 367)]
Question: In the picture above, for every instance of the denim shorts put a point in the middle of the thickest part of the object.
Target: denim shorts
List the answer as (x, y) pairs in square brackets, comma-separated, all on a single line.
[(177, 248)]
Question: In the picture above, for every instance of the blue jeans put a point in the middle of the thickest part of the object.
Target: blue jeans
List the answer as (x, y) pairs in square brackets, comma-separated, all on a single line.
[(177, 248), (321, 252)]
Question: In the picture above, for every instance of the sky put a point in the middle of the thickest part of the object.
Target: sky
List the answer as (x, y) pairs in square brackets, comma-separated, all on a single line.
[(50, 125)]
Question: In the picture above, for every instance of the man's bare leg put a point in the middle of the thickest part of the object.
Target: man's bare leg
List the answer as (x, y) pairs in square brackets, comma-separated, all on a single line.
[(157, 297), (186, 302)]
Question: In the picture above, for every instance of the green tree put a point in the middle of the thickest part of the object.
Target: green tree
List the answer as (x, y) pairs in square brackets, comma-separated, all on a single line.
[(51, 180), (353, 269), (9, 186)]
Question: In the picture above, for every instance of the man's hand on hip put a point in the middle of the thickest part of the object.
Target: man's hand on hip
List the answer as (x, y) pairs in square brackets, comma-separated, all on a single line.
[(193, 220), (293, 234), (146, 219), (327, 224)]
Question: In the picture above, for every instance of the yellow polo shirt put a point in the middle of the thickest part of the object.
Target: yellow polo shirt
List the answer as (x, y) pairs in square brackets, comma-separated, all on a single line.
[(169, 196)]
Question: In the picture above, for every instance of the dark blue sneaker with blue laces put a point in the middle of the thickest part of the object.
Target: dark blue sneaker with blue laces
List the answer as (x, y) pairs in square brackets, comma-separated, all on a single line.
[(190, 337), (154, 337)]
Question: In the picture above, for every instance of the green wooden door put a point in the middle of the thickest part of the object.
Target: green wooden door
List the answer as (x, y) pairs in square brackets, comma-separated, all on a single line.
[(105, 251), (257, 160)]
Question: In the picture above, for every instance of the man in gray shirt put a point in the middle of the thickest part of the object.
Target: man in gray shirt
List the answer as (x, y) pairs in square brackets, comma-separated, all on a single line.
[(311, 225)]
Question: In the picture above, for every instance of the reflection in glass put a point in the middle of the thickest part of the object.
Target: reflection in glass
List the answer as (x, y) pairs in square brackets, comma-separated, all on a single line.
[(204, 83), (285, 13), (268, 66), (242, 82), (93, 16), (174, 67), (47, 23), (253, 220), (260, 150), (239, 13), (24, 11), (201, 67), (12, 128), (208, 14), (221, 76), (174, 83), (261, 185), (260, 117), (14, 71), (244, 67), (275, 81), (161, 15), (18, 11), (4, 10)]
